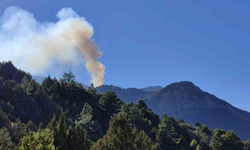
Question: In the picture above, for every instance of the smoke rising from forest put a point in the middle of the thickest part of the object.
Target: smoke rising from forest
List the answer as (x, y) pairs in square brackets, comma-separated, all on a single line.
[(32, 45)]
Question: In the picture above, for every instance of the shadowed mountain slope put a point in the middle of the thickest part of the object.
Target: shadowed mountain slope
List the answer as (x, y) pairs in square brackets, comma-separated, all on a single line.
[(127, 95), (187, 101), (152, 88)]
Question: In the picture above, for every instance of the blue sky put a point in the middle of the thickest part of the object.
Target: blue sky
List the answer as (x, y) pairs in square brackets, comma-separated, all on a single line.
[(146, 42)]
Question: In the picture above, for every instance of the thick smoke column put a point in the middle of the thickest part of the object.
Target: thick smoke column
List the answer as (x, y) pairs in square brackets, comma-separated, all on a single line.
[(32, 45)]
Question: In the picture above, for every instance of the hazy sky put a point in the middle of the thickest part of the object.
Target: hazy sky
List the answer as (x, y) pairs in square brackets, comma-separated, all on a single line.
[(158, 42)]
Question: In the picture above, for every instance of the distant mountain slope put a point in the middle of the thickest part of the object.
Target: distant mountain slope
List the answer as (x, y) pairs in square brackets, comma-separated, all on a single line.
[(127, 95), (187, 101), (152, 88)]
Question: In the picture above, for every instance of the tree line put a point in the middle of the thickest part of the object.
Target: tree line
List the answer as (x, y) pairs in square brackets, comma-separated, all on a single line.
[(62, 115)]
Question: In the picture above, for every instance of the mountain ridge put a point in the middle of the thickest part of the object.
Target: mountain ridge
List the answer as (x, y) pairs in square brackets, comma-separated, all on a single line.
[(152, 88), (184, 100)]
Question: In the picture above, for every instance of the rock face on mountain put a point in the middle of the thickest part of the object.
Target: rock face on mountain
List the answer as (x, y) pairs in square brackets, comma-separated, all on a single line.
[(187, 101)]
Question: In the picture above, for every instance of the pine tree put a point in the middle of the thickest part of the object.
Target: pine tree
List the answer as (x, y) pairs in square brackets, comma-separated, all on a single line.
[(247, 144), (30, 126), (121, 136), (26, 85), (86, 121), (5, 139), (168, 137), (38, 141), (68, 77), (53, 125), (60, 139), (70, 137), (47, 83), (193, 144), (77, 138), (222, 140), (198, 147), (86, 114), (142, 104)]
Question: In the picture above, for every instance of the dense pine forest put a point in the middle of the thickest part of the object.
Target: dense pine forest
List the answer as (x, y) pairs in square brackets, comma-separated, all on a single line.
[(59, 114)]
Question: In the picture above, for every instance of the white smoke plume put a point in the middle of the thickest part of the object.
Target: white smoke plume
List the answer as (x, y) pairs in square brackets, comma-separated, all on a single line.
[(32, 45)]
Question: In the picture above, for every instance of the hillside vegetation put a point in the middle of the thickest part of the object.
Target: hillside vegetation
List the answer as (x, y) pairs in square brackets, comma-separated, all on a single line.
[(184, 100), (60, 114)]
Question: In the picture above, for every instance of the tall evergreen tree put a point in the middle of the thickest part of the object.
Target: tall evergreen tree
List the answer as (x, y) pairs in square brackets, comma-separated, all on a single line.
[(167, 136), (26, 85), (222, 140), (121, 136), (5, 140), (247, 144), (53, 124), (60, 138), (198, 147), (77, 138), (38, 141), (86, 121), (193, 144)]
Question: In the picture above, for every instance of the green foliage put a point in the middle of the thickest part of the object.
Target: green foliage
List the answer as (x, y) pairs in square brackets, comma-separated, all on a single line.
[(110, 103), (5, 140), (222, 140), (121, 136), (142, 104), (91, 126), (136, 116), (86, 114), (77, 138), (9, 72), (247, 144), (60, 138), (4, 120), (193, 144), (68, 77), (26, 85), (47, 83), (53, 124), (198, 147), (197, 124), (204, 129), (141, 118), (181, 121), (18, 130), (30, 126), (26, 107), (92, 90), (38, 141), (202, 138), (168, 136)]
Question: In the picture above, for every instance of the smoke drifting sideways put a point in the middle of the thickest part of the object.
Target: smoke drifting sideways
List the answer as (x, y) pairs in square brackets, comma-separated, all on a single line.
[(33, 46)]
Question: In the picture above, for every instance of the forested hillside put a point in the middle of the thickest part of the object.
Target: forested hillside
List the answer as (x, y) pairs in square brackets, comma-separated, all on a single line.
[(152, 88), (184, 100), (60, 114)]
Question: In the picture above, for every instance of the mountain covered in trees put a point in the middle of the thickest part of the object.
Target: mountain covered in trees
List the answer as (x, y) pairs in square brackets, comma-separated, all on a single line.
[(61, 114), (152, 88), (184, 100), (187, 101)]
